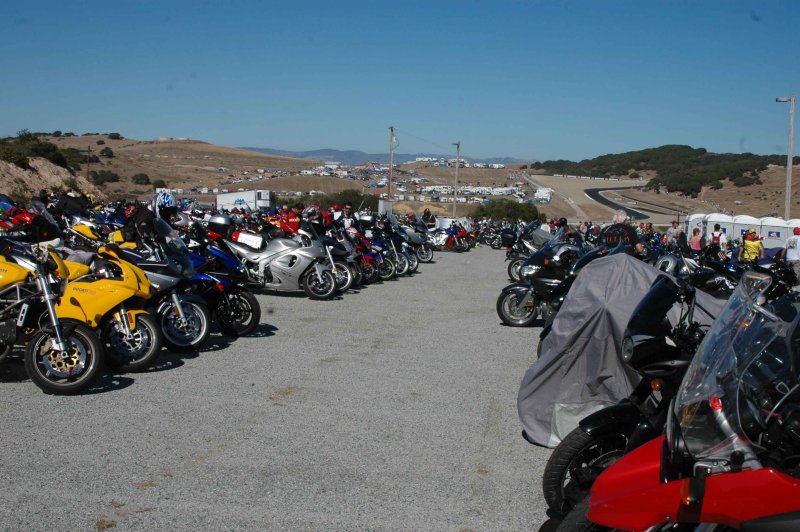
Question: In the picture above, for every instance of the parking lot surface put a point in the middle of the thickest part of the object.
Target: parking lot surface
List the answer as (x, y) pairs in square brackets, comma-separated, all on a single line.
[(390, 408)]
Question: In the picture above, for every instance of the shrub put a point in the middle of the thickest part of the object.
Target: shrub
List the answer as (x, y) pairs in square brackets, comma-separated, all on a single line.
[(114, 136), (71, 183), (497, 209), (57, 133), (634, 175), (100, 142), (14, 155), (141, 179), (102, 177), (107, 152), (159, 183)]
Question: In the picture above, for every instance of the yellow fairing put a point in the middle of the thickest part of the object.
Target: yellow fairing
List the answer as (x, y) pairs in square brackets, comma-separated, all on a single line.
[(116, 238), (90, 299), (85, 231), (11, 274), (76, 269)]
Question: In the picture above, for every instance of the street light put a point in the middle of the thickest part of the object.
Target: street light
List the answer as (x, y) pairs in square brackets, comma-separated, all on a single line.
[(788, 198), (455, 186)]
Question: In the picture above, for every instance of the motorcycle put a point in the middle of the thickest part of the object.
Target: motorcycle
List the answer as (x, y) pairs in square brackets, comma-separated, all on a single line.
[(520, 304), (61, 356), (281, 264), (729, 456)]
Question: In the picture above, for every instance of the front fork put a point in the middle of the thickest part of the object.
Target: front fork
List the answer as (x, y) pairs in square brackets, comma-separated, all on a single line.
[(330, 258), (176, 303), (49, 300)]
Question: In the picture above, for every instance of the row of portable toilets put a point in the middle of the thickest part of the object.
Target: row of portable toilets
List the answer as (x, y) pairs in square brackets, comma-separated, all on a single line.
[(774, 231)]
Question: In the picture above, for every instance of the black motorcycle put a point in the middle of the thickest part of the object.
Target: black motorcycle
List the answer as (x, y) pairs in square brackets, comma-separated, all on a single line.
[(520, 304)]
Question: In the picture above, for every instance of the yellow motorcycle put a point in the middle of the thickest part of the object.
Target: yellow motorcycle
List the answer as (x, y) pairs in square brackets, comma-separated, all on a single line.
[(112, 298), (61, 356)]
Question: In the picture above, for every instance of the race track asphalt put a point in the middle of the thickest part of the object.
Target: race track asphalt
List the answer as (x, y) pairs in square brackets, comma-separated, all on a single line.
[(393, 408)]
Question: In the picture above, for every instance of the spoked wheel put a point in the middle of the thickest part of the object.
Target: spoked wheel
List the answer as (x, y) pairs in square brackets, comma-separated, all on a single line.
[(239, 314), (318, 286), (576, 463), (401, 265), (136, 352), (64, 372), (189, 333), (344, 276), (369, 273), (386, 269), (425, 253), (513, 316)]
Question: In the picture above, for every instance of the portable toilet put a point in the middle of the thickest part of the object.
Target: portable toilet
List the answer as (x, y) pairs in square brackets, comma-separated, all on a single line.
[(742, 223), (774, 231), (692, 221), (794, 222), (725, 222)]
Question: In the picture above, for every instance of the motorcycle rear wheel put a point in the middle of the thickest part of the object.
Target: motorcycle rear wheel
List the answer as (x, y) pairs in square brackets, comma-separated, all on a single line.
[(316, 287), (413, 262), (241, 316), (575, 464), (506, 309), (513, 269), (134, 354), (54, 373)]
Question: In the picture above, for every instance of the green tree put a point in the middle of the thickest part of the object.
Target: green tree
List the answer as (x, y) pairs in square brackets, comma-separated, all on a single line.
[(107, 152), (497, 209), (57, 133), (114, 136)]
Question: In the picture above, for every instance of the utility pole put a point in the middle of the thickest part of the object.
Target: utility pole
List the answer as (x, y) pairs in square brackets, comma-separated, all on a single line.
[(391, 159), (788, 199), (455, 185)]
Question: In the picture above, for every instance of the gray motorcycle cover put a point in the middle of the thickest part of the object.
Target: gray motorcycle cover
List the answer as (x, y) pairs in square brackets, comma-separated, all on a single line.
[(580, 369)]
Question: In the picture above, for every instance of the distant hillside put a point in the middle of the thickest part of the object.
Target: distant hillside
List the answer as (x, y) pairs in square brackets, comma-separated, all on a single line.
[(360, 157), (675, 167)]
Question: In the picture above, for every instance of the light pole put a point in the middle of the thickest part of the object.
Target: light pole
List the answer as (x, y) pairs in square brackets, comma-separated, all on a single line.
[(788, 198), (455, 185)]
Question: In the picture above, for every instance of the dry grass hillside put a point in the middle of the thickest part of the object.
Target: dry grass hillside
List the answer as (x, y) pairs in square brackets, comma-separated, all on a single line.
[(20, 183)]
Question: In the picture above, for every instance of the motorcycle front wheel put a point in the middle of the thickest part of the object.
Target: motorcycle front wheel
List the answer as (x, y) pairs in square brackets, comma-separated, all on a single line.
[(386, 269), (64, 372), (413, 262), (318, 287), (239, 315), (508, 312), (189, 333), (575, 464), (136, 353), (401, 265), (368, 273), (425, 253), (513, 269), (344, 277)]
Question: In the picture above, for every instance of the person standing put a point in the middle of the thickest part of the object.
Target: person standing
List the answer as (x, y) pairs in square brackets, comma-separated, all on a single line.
[(720, 241), (752, 248), (673, 233), (791, 251), (696, 242)]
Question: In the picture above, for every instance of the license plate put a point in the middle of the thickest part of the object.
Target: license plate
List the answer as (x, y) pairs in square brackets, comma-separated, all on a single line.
[(22, 313)]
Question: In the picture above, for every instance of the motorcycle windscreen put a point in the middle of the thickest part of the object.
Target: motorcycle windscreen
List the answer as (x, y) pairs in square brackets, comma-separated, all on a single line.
[(741, 374)]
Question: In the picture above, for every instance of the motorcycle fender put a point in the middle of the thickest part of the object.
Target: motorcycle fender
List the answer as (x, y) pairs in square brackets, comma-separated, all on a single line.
[(133, 317), (519, 288), (611, 419)]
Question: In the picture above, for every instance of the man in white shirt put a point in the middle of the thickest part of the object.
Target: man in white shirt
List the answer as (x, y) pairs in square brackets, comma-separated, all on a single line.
[(791, 251)]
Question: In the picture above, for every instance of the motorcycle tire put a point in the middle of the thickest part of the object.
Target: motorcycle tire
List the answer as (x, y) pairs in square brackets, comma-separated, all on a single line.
[(64, 376), (136, 354), (240, 315), (401, 265), (577, 520), (513, 269), (369, 274), (318, 288), (357, 277), (189, 336), (506, 309), (575, 464), (496, 243), (344, 276), (413, 262), (424, 253), (386, 270)]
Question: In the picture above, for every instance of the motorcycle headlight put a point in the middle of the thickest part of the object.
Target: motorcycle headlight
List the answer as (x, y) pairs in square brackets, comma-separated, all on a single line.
[(528, 271), (627, 349)]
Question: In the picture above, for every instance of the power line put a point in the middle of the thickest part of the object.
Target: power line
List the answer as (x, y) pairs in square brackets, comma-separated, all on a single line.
[(441, 146)]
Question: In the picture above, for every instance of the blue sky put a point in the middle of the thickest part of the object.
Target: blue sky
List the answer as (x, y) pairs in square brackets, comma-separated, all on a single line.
[(527, 79)]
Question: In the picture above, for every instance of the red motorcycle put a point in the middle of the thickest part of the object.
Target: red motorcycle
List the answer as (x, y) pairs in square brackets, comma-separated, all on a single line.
[(730, 459)]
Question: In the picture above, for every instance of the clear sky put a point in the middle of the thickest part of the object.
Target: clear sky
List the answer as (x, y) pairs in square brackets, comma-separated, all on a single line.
[(528, 79)]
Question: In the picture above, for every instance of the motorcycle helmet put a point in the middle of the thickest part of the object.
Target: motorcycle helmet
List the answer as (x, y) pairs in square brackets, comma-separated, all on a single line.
[(164, 205), (562, 222), (220, 224)]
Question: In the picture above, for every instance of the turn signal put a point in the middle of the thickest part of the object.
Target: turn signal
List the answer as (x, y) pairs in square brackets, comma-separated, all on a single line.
[(656, 385)]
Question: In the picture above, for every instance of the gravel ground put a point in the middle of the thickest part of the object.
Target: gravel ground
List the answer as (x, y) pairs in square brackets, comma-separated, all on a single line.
[(392, 408)]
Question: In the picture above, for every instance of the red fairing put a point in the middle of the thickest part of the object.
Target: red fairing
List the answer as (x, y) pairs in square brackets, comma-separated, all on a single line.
[(629, 495)]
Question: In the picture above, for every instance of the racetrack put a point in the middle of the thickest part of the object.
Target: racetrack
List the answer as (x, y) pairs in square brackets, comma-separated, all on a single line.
[(391, 408)]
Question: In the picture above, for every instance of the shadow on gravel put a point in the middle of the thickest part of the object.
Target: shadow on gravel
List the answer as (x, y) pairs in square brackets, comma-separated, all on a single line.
[(107, 382), (13, 370), (263, 331), (550, 525), (536, 323)]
